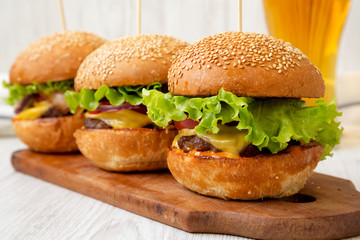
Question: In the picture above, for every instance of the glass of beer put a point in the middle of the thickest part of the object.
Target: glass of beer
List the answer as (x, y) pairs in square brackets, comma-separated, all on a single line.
[(313, 26)]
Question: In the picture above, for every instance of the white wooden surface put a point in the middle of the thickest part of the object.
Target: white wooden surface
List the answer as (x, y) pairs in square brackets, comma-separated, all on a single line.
[(34, 209), (23, 21)]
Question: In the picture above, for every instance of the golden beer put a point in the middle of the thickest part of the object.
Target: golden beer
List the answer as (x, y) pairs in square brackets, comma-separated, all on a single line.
[(313, 26)]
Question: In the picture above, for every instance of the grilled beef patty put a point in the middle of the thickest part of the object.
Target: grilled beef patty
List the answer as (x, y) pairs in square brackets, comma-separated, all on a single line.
[(95, 124), (189, 143), (54, 112)]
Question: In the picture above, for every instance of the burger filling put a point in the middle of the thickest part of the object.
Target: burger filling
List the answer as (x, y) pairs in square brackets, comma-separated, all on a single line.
[(127, 116), (232, 126), (39, 100), (113, 107), (228, 139)]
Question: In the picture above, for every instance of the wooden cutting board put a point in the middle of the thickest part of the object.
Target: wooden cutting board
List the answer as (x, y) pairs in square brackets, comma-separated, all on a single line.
[(327, 208)]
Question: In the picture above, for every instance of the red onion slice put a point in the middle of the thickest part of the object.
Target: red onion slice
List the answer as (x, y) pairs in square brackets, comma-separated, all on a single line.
[(23, 103)]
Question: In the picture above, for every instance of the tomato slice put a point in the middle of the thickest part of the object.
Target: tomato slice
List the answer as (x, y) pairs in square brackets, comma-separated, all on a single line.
[(187, 123), (94, 112)]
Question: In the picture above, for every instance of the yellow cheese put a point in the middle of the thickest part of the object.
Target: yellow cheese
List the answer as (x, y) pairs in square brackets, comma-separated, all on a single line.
[(36, 111), (228, 139), (122, 118)]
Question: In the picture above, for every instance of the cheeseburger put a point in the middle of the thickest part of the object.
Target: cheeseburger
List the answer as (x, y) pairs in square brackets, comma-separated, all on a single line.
[(244, 132), (117, 133), (38, 79)]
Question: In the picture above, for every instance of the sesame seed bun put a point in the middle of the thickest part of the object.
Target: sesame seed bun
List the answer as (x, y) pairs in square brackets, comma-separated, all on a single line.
[(246, 64), (53, 57), (134, 60), (246, 178), (49, 135), (131, 61), (129, 149)]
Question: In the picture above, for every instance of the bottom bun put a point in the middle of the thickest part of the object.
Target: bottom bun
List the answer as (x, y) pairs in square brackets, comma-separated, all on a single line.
[(49, 135), (245, 178), (129, 149)]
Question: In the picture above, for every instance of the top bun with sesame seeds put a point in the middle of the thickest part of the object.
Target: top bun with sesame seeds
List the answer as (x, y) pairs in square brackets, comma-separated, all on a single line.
[(133, 60), (54, 57), (246, 64)]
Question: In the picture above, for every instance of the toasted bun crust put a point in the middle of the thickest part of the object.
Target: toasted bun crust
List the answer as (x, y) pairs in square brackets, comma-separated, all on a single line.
[(134, 60), (54, 57), (246, 64), (263, 176), (49, 135), (131, 149)]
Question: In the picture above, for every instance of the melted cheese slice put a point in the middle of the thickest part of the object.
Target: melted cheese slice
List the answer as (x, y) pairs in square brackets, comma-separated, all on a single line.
[(122, 119), (36, 111), (228, 139)]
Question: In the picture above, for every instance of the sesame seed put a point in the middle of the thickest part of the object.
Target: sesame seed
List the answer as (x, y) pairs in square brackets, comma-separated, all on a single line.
[(239, 49)]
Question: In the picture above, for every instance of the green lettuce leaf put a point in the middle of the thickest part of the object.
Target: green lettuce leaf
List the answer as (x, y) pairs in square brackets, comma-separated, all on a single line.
[(271, 123), (89, 99), (18, 92)]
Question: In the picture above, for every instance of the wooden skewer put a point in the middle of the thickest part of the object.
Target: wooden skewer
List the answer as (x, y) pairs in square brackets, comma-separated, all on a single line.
[(62, 15), (240, 15), (138, 16)]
